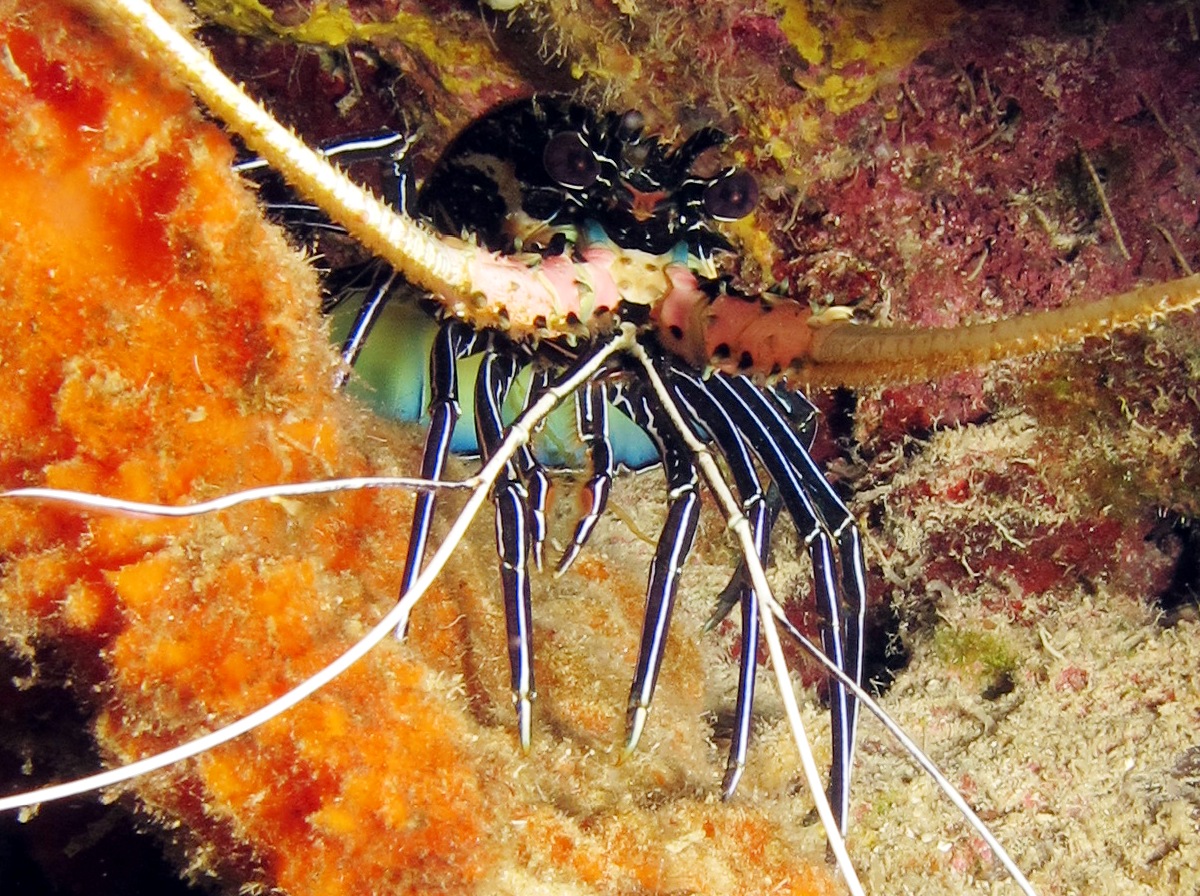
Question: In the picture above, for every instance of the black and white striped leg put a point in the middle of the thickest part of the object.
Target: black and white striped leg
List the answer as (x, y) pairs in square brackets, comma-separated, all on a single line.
[(513, 542), (533, 474), (802, 416), (692, 395), (822, 520), (674, 545), (731, 594), (395, 180), (453, 342), (851, 608), (591, 417), (394, 176), (368, 313), (739, 741)]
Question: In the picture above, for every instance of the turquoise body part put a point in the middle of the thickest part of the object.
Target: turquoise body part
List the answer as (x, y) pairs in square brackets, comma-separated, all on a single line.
[(391, 375)]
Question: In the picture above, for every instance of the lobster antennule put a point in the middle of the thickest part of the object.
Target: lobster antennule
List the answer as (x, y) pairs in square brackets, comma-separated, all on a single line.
[(771, 337)]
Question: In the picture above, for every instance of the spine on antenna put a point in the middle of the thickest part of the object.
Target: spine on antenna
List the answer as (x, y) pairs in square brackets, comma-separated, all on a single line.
[(840, 354)]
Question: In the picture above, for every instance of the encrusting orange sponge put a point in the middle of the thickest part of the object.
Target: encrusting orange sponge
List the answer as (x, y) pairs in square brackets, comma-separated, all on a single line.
[(161, 343)]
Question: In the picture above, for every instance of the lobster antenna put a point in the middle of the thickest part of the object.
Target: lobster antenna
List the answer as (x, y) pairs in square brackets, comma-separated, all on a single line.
[(769, 608), (480, 484), (412, 249), (482, 287), (90, 501), (848, 355)]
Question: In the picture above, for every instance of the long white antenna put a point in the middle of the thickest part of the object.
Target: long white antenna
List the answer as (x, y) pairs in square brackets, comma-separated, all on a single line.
[(89, 501)]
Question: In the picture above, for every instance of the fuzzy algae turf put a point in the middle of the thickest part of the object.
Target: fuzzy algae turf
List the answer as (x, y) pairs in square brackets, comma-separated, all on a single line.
[(161, 343)]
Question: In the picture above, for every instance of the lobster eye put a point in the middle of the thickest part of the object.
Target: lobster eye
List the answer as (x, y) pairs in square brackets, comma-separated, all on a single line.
[(570, 161), (731, 195)]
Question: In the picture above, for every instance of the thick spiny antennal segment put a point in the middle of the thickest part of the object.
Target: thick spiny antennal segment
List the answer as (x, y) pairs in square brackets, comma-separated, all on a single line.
[(768, 337), (859, 355), (517, 293), (367, 219)]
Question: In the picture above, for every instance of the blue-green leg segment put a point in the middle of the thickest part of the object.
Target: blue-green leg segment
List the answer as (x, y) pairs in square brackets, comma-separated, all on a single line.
[(453, 342)]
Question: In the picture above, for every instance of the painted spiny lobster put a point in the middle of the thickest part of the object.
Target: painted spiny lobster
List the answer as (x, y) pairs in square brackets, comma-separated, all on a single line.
[(694, 336), (548, 176)]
